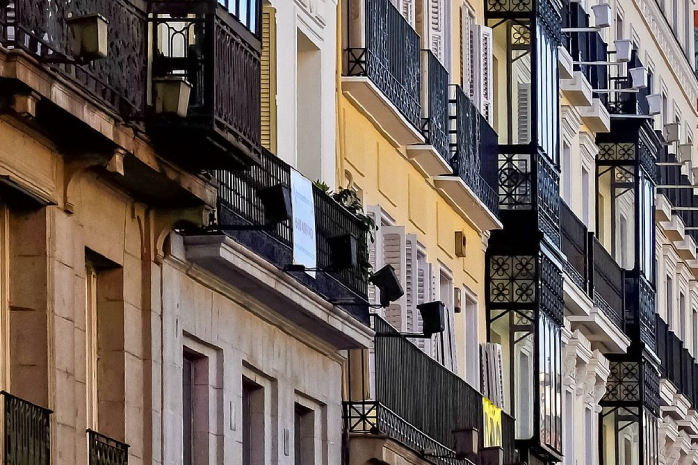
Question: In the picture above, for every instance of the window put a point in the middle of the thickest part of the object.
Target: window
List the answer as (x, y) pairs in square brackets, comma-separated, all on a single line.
[(91, 345), (246, 11), (309, 108), (619, 27), (195, 408), (252, 423), (472, 347), (665, 109), (586, 185), (304, 435), (445, 341), (567, 172), (669, 303), (695, 332)]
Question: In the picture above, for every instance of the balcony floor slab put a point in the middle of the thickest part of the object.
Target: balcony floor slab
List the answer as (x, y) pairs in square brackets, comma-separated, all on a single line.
[(426, 159), (602, 330), (462, 198), (375, 105)]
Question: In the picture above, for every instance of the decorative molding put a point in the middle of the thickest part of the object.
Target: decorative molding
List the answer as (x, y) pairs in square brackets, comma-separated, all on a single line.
[(667, 44)]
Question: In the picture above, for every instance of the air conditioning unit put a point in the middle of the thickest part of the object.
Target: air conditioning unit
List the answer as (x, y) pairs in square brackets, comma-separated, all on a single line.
[(672, 132), (654, 101), (624, 50), (684, 153), (639, 77), (602, 15)]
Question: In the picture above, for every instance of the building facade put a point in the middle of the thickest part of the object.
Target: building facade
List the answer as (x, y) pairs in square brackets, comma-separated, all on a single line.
[(348, 232)]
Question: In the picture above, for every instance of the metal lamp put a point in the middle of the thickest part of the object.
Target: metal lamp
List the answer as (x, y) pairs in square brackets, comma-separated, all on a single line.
[(624, 50), (387, 283), (89, 37), (172, 95), (602, 15), (672, 132), (343, 252), (654, 101), (639, 77), (432, 317), (466, 446)]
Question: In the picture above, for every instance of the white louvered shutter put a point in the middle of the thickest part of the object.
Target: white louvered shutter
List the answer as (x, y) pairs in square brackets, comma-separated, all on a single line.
[(375, 258), (411, 271), (394, 246), (423, 296), (468, 80), (492, 373), (523, 111), (407, 8), (484, 58), (436, 28), (449, 337)]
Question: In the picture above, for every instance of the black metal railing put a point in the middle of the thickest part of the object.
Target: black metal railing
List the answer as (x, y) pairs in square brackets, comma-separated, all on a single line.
[(677, 364), (105, 450), (204, 43), (629, 102), (608, 282), (417, 400), (387, 52), (39, 27), (435, 104), (27, 432), (239, 203), (473, 145), (511, 455), (575, 245)]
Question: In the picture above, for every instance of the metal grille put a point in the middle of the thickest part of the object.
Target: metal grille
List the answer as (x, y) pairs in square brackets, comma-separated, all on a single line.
[(435, 122), (199, 40), (27, 432), (106, 451), (608, 284), (390, 57), (575, 245), (548, 186), (39, 27), (515, 181)]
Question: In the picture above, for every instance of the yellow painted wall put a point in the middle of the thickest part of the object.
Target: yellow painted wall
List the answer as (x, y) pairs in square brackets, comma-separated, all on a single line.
[(386, 178)]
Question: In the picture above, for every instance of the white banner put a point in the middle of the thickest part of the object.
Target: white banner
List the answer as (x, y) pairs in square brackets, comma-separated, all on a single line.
[(304, 243)]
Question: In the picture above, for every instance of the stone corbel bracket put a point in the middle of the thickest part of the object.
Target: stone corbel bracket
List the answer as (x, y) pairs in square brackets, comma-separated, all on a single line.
[(78, 166)]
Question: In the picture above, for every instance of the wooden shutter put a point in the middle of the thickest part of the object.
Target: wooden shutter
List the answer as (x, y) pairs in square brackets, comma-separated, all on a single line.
[(492, 373), (423, 296), (394, 246), (466, 47), (411, 290), (523, 111), (484, 57), (436, 28), (268, 78)]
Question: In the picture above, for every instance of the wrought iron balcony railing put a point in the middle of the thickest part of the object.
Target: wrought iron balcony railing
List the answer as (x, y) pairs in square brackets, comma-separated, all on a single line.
[(474, 148), (678, 197), (575, 246), (106, 451), (39, 27), (27, 434), (677, 364), (435, 104), (239, 203), (386, 50), (628, 103), (220, 57), (586, 47), (608, 283), (417, 401)]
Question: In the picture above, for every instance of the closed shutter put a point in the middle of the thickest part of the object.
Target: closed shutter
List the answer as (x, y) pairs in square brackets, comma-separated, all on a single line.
[(492, 373), (466, 46), (484, 57), (394, 246), (436, 28), (423, 296), (523, 111), (268, 71), (450, 359), (407, 9), (411, 290)]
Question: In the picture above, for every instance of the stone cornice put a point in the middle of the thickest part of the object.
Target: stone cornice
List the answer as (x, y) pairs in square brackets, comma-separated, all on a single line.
[(669, 47)]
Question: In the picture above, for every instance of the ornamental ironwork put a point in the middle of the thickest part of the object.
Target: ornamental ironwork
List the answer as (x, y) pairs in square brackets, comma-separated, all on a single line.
[(551, 293), (515, 181), (510, 6), (647, 312), (27, 432), (548, 184), (40, 27), (106, 451), (616, 151), (513, 279), (435, 122), (624, 382)]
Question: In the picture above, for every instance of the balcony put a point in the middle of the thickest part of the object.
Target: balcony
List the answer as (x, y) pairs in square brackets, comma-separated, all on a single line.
[(40, 28), (202, 42), (593, 275), (240, 207), (417, 403), (27, 432), (106, 451), (473, 144), (381, 69), (678, 367), (628, 103), (433, 157)]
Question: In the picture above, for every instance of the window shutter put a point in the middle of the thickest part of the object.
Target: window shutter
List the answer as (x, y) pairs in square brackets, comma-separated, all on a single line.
[(523, 112), (449, 359), (411, 282), (394, 246), (407, 9), (466, 46), (423, 296), (375, 258), (268, 78), (486, 97), (436, 28), (492, 373)]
